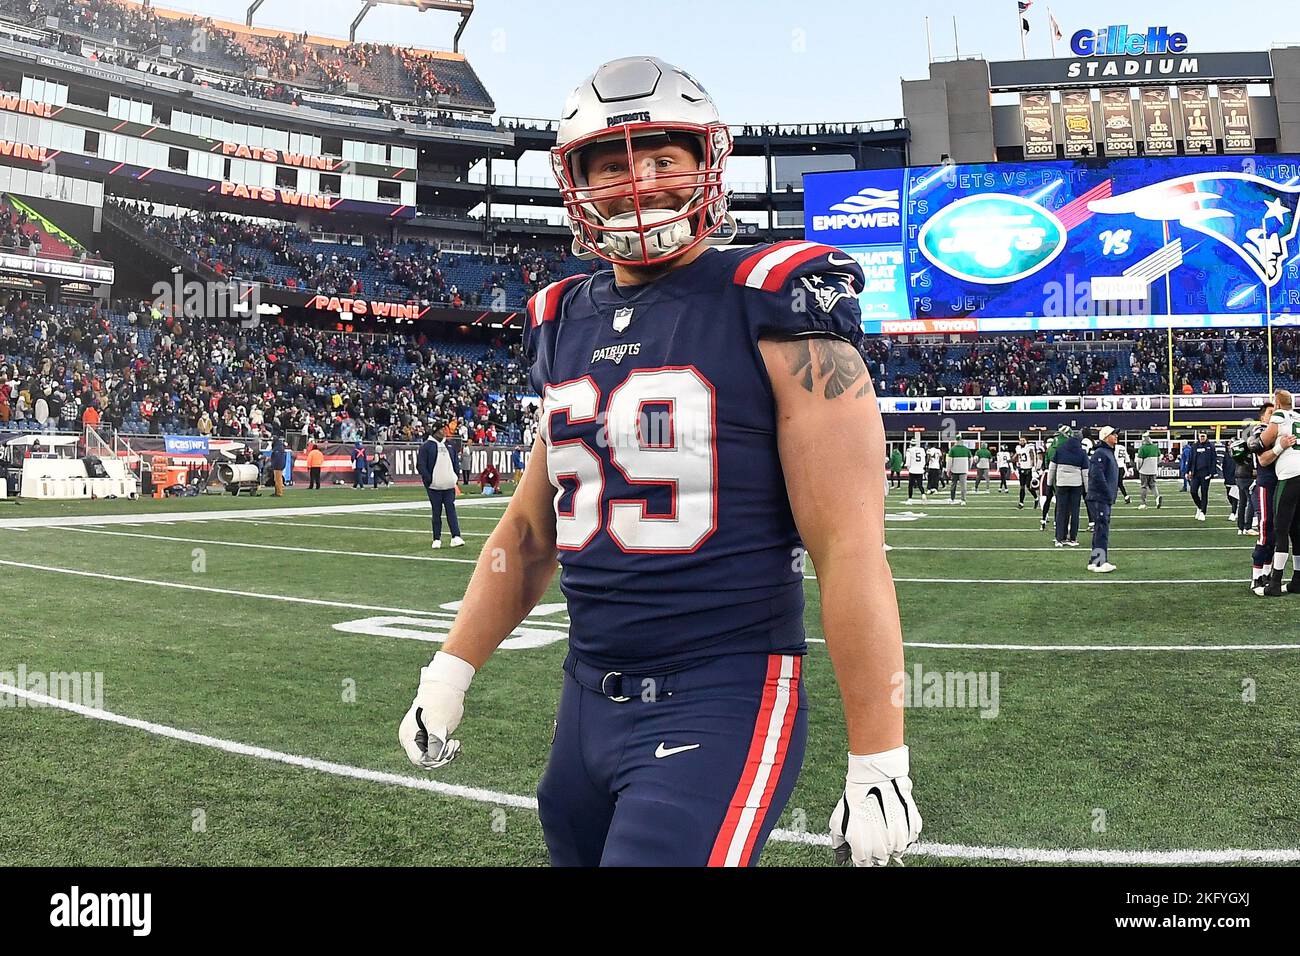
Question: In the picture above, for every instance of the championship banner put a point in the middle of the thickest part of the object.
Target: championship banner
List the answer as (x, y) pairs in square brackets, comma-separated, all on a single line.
[(1198, 131), (1076, 114), (1117, 122), (1234, 111), (1157, 122), (1040, 131)]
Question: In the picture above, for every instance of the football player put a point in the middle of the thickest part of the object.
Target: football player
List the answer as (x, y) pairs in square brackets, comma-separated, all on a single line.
[(1025, 455), (1046, 488), (1148, 457), (1279, 437), (1122, 460), (680, 485), (1004, 468), (915, 470)]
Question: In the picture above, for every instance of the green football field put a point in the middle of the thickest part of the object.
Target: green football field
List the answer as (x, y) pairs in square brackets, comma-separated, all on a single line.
[(256, 657)]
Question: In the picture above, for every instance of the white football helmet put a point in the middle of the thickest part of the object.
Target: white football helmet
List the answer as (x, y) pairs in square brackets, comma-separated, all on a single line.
[(631, 100)]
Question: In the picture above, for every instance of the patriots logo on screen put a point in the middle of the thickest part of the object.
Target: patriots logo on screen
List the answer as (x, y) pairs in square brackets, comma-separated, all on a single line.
[(1253, 217)]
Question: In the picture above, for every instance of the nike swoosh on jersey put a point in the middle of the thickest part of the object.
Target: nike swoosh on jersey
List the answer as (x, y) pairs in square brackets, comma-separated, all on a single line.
[(661, 751), (838, 262)]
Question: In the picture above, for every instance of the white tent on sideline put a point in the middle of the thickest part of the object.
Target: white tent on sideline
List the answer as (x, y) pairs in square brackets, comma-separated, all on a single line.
[(39, 439)]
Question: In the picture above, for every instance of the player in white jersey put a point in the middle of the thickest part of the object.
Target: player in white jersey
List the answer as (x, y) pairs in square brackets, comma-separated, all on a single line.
[(915, 470), (1121, 459), (1004, 467), (1026, 455), (1286, 501), (934, 464)]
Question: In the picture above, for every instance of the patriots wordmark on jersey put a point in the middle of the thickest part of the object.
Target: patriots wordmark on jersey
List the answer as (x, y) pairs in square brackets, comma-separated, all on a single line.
[(673, 525)]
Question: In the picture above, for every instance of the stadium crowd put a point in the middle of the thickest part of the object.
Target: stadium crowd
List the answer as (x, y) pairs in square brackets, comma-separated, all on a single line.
[(178, 375), (418, 269), (284, 60)]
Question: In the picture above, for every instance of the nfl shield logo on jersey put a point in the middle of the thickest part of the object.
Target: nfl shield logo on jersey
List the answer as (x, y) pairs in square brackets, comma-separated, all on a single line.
[(622, 319)]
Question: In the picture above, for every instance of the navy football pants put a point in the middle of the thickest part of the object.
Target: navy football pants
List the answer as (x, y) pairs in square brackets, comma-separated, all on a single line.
[(1100, 532), (1264, 544), (1068, 498), (1201, 492), (443, 500), (693, 770)]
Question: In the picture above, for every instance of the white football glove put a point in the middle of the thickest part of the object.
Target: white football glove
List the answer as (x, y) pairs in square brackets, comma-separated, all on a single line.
[(425, 731), (876, 820)]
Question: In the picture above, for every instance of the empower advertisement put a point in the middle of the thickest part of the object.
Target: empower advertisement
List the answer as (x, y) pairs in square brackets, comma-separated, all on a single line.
[(1191, 241)]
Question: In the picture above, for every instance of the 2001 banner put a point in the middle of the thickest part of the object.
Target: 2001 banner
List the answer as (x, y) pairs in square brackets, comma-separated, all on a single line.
[(1189, 241)]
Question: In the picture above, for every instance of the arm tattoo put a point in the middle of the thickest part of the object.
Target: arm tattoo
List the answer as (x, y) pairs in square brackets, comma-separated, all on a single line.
[(828, 364)]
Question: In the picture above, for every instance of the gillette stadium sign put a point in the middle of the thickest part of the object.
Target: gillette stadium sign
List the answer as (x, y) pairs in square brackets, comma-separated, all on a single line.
[(1114, 54), (1117, 41)]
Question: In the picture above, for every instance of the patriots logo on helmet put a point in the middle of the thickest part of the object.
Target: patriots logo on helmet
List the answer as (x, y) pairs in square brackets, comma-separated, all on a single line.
[(1253, 217)]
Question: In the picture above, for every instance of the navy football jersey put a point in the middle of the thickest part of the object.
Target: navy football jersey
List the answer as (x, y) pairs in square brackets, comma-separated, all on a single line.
[(674, 530)]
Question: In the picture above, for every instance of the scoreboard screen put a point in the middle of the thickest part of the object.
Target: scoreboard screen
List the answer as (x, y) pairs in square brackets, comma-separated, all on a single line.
[(1147, 242)]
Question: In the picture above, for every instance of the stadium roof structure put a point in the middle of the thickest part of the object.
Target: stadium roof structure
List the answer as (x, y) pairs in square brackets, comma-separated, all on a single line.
[(464, 7)]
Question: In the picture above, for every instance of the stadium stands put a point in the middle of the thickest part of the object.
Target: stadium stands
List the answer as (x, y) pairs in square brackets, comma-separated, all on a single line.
[(285, 256), (149, 374), (264, 63), (1136, 364)]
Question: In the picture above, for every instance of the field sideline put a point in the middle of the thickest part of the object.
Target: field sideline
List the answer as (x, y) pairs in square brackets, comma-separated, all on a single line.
[(257, 654)]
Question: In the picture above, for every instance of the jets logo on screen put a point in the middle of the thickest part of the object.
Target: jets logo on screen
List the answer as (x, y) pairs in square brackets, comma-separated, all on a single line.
[(868, 208), (991, 238), (1253, 217)]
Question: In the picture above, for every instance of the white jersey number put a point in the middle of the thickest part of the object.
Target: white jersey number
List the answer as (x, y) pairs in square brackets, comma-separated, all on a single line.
[(675, 448)]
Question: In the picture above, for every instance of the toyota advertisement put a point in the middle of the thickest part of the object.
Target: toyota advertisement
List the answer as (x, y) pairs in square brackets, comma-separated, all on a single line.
[(1144, 242)]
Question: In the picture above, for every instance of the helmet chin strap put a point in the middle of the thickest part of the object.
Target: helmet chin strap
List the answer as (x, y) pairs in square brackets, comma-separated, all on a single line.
[(621, 237), (652, 241)]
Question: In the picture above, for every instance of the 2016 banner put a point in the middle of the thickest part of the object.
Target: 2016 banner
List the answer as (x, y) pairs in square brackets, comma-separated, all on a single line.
[(1198, 129)]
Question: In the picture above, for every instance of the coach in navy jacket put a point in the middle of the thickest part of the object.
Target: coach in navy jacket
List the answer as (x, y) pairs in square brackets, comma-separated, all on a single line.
[(1103, 486), (1202, 466), (437, 467), (1067, 471)]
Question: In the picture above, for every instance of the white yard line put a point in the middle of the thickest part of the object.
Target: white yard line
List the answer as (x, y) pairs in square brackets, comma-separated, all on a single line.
[(892, 527), (1108, 579), (348, 605), (426, 531), (1068, 550), (230, 592), (67, 521), (274, 547), (480, 795)]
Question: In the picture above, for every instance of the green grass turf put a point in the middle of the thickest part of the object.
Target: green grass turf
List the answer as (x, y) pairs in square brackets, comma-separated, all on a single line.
[(1162, 741)]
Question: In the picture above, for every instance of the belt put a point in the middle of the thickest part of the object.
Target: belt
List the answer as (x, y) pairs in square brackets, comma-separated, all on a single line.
[(618, 686)]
